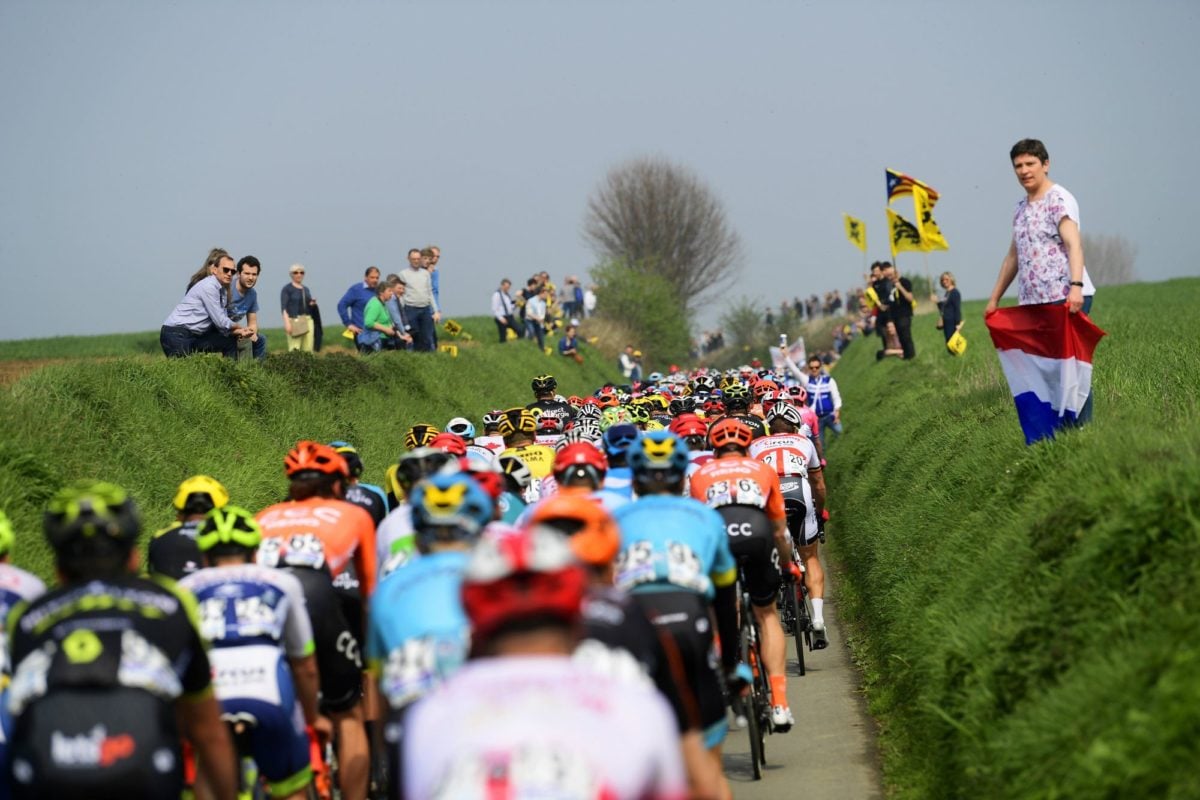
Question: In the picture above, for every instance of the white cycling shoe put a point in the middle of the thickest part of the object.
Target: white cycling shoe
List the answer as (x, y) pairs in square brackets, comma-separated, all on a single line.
[(819, 638), (782, 719)]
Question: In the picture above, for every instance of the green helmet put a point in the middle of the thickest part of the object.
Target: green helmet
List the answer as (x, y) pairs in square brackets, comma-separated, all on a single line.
[(227, 526), (6, 535), (92, 511)]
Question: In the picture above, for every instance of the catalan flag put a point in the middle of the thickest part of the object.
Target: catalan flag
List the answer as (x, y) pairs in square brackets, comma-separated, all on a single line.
[(905, 235), (900, 184), (856, 232), (931, 235)]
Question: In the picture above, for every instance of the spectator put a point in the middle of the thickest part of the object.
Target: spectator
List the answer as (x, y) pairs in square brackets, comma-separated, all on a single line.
[(769, 318), (297, 305), (627, 363), (950, 309), (901, 306), (403, 339), (577, 298), (245, 306), (430, 256), (419, 307), (209, 268), (535, 317), (589, 301), (377, 323), (568, 345), (824, 398), (354, 301), (503, 310), (200, 322)]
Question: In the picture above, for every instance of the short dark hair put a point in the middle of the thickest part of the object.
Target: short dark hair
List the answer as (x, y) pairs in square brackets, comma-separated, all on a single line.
[(369, 270), (381, 287), (1029, 147), (416, 250), (249, 261)]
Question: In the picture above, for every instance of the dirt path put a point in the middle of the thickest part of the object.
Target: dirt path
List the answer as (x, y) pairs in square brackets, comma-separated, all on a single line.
[(831, 753), (13, 370)]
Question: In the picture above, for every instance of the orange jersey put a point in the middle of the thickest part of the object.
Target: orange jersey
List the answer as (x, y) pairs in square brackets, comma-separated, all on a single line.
[(738, 480), (343, 531)]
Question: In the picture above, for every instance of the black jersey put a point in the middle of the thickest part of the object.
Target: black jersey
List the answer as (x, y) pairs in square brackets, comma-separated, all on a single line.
[(755, 424), (554, 408), (173, 551)]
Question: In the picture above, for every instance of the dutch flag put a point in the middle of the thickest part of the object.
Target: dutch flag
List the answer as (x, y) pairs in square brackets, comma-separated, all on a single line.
[(1046, 354)]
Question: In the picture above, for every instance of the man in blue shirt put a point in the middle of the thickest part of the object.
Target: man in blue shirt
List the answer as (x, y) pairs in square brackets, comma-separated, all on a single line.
[(245, 303), (200, 323), (354, 302)]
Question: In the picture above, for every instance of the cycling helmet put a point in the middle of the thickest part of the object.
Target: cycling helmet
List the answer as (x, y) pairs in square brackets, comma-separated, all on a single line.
[(486, 473), (654, 425), (618, 438), (654, 377), (544, 383), (463, 427), (88, 515), (518, 419), (550, 425), (588, 411), (353, 462), (309, 459), (681, 405), (491, 420), (799, 394), (449, 501), (688, 425), (736, 394), (702, 383), (714, 407), (783, 409), (420, 435), (730, 431), (450, 443), (639, 414), (660, 451), (763, 387), (199, 494), (418, 464), (7, 537), (607, 401), (614, 415), (594, 537), (531, 574), (580, 459), (582, 431), (228, 528), (516, 469)]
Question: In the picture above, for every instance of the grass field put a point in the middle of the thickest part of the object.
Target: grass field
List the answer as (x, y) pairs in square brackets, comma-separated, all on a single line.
[(1028, 618), (146, 422)]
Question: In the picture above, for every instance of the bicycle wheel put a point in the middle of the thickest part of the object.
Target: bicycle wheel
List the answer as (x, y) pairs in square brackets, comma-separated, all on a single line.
[(750, 701), (762, 703), (800, 623)]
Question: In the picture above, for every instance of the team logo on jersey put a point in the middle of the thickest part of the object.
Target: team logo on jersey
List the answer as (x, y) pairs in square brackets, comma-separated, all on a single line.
[(92, 749)]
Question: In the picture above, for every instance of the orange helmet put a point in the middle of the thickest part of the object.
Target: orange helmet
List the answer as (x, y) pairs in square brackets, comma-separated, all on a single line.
[(762, 387), (730, 431), (309, 456), (594, 537)]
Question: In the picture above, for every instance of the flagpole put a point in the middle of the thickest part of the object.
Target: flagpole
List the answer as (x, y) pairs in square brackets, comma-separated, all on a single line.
[(928, 278)]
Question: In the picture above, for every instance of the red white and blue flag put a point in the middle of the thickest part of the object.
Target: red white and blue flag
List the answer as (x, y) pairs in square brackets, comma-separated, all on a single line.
[(1046, 354)]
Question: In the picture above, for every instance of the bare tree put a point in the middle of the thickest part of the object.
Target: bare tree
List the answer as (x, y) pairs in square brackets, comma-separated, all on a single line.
[(660, 217), (1109, 258)]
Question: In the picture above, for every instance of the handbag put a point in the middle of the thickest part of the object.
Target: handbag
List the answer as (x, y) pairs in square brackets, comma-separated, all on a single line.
[(957, 343), (299, 326)]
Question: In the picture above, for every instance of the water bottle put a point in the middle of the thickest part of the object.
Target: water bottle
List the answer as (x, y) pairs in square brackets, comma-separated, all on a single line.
[(783, 341)]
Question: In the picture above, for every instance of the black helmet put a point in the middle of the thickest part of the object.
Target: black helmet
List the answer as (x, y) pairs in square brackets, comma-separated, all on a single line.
[(544, 383)]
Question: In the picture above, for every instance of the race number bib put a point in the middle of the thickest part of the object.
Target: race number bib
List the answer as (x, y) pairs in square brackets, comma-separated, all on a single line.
[(298, 550)]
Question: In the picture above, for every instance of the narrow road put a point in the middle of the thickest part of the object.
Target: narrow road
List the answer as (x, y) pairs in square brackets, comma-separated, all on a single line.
[(831, 753)]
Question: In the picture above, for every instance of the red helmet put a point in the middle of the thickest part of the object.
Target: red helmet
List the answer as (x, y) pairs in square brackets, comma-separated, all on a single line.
[(450, 443), (595, 538), (764, 386), (730, 431), (583, 457), (688, 425), (486, 473), (308, 456), (532, 573), (799, 394)]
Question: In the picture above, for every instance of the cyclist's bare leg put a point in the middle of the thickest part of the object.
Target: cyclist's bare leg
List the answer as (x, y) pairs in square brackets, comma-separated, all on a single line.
[(814, 576), (354, 757), (704, 774), (723, 791), (774, 645)]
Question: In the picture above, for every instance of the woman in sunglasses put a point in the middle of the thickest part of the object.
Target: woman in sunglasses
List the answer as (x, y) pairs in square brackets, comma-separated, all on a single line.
[(296, 303), (200, 323)]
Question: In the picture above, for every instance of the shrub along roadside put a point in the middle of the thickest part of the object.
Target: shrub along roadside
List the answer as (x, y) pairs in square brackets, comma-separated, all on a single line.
[(148, 423), (1028, 619)]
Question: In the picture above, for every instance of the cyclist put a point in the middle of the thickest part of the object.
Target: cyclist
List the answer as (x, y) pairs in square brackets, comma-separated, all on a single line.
[(745, 492), (517, 480), (16, 585), (617, 441), (366, 496), (419, 435), (540, 724), (264, 670), (108, 666), (675, 558), (491, 438), (547, 404), (394, 538), (694, 433), (329, 545), (802, 480), (173, 552), (518, 427), (737, 406)]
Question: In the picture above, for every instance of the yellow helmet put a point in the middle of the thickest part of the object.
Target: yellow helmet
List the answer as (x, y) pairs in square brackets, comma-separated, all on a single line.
[(200, 494)]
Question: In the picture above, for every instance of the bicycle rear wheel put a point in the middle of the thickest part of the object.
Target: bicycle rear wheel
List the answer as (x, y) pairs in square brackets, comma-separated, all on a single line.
[(750, 705)]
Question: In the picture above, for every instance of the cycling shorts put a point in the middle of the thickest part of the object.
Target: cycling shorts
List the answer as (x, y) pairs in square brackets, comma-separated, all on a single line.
[(801, 511), (99, 743), (752, 543), (684, 616), (339, 660)]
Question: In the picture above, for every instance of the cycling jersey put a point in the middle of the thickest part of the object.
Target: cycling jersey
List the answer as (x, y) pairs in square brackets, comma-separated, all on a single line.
[(786, 453), (553, 408), (395, 534), (320, 532), (738, 480), (485, 454), (541, 726), (755, 423), (619, 480), (511, 506), (551, 440), (173, 551), (670, 542), (418, 633), (539, 458), (16, 585), (370, 499), (493, 442)]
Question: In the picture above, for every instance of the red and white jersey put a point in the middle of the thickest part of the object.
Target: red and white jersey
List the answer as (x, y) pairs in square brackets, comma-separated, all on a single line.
[(492, 441), (786, 453), (541, 726)]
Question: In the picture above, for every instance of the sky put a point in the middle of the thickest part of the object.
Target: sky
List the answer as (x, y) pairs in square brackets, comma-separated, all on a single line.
[(135, 136)]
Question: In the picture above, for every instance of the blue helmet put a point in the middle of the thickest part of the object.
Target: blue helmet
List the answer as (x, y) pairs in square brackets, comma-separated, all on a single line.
[(659, 451), (454, 502), (618, 438)]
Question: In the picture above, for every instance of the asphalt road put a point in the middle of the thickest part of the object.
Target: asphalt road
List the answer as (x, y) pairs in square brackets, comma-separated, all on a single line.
[(831, 752)]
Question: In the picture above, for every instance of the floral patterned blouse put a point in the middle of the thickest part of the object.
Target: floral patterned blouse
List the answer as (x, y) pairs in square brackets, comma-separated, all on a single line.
[(1043, 273)]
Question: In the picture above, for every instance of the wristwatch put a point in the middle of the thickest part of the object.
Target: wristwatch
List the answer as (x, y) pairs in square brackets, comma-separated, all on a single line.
[(1076, 283)]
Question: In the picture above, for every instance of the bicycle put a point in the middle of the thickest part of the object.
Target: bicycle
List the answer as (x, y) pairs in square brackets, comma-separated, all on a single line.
[(795, 613), (758, 718)]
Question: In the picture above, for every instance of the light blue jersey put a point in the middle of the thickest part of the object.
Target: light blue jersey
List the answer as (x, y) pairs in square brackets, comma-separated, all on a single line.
[(670, 542)]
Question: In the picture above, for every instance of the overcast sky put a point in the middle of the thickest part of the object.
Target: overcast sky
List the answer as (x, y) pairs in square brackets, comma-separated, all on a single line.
[(137, 135)]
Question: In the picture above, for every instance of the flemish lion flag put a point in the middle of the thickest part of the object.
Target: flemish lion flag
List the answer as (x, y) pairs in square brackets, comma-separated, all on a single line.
[(905, 235), (900, 184), (931, 235), (856, 232)]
